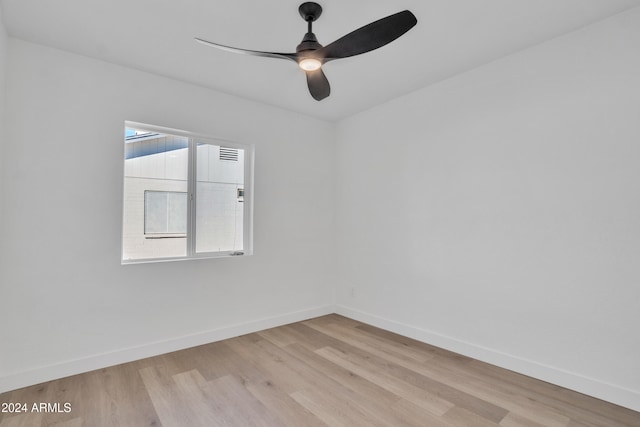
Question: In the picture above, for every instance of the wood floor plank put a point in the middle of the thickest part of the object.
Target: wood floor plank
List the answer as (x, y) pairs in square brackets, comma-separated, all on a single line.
[(74, 422), (309, 337), (420, 397), (262, 384), (336, 386), (372, 344), (343, 376), (22, 420), (460, 416), (413, 414), (222, 360), (515, 420), (124, 399), (334, 412), (379, 402), (172, 407), (409, 368), (279, 336), (283, 405), (324, 386), (285, 377), (481, 391), (329, 415), (478, 389), (414, 344), (411, 372), (202, 409), (585, 409), (334, 318), (236, 405)]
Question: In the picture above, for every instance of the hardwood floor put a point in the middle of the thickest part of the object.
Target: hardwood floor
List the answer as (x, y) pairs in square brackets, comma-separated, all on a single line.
[(326, 371)]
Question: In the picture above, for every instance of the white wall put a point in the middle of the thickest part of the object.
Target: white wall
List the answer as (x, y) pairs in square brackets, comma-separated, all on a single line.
[(497, 213), (3, 62), (3, 66), (71, 306)]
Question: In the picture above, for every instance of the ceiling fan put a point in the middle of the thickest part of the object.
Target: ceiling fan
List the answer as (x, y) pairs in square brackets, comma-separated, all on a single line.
[(311, 55)]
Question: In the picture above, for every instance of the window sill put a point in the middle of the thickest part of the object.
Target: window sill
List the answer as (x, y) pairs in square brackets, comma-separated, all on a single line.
[(230, 254), (165, 236)]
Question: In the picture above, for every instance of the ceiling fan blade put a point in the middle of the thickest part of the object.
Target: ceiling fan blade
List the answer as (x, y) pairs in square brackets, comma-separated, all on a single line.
[(318, 84), (369, 37), (291, 56)]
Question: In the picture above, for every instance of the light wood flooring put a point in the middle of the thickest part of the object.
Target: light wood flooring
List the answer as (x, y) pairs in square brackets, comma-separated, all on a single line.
[(325, 371)]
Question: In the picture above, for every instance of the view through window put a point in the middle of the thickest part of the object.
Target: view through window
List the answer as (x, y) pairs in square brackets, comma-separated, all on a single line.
[(184, 196)]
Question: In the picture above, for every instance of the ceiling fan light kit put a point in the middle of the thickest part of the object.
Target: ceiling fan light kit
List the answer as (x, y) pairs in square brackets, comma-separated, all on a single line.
[(311, 55)]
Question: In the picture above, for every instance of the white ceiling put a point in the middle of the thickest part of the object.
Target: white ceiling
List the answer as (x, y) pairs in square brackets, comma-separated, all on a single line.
[(451, 36)]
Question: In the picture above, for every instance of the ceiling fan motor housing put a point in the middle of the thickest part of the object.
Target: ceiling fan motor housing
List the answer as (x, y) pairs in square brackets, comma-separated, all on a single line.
[(309, 42), (310, 11)]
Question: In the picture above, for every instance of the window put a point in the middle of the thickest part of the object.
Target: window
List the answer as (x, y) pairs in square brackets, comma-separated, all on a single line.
[(165, 212), (185, 196)]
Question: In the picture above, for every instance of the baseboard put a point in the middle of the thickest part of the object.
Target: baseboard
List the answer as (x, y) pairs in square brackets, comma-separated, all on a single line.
[(571, 380), (99, 361)]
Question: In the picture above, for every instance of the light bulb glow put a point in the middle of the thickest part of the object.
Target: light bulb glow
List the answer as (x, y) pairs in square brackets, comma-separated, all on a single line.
[(310, 64)]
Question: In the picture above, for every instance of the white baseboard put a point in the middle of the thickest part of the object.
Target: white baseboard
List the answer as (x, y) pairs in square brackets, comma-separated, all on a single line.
[(99, 361), (571, 380)]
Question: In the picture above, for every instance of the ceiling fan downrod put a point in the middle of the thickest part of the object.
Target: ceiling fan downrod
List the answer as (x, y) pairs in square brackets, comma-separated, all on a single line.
[(309, 11)]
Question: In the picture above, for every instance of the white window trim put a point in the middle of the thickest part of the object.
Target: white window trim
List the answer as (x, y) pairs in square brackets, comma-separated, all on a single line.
[(194, 138)]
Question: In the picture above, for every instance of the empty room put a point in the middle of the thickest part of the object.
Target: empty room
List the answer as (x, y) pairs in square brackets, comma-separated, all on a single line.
[(249, 213)]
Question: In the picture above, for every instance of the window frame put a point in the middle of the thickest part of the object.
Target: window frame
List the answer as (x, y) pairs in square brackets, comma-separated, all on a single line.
[(193, 140)]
